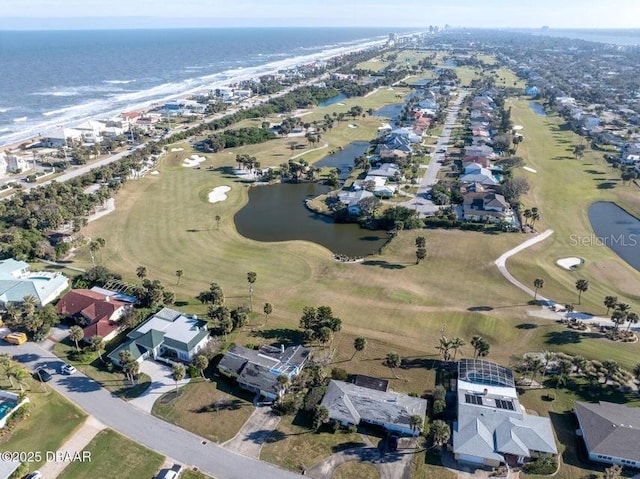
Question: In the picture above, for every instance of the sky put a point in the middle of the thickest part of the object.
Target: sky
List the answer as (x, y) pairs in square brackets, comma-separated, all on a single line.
[(55, 14)]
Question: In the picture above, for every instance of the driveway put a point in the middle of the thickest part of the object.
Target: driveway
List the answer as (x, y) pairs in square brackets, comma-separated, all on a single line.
[(161, 382), (156, 434), (254, 433)]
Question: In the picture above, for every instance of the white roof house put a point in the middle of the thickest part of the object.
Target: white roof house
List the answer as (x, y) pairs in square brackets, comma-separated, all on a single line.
[(492, 427), (16, 283)]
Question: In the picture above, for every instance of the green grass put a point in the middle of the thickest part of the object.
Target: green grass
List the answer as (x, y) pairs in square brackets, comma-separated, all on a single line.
[(52, 420), (427, 465), (96, 369), (112, 453), (216, 411), (356, 470), (190, 474)]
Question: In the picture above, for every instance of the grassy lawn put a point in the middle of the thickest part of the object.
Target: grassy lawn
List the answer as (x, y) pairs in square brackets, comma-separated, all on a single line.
[(190, 474), (51, 421), (296, 447), (96, 370), (559, 410), (112, 452), (356, 470), (216, 411), (428, 466)]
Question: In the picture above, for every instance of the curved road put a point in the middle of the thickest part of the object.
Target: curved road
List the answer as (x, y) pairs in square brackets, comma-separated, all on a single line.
[(154, 433)]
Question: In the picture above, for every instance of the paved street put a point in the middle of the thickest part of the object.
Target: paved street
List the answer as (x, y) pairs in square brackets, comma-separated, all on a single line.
[(420, 203), (165, 438)]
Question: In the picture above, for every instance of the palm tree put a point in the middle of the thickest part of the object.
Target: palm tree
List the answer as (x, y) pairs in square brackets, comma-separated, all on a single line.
[(456, 344), (141, 272), (124, 358), (283, 383), (421, 253), (179, 274), (251, 279), (440, 432), (76, 334), (359, 344), (201, 362), (632, 318), (527, 214), (6, 363), (267, 309), (636, 371), (393, 361), (94, 247), (226, 325), (421, 242), (324, 335), (20, 375), (178, 373), (564, 369), (320, 416), (29, 304), (480, 347), (97, 344), (611, 369), (535, 365), (217, 218), (582, 285), (133, 368), (610, 302), (619, 317), (580, 364), (538, 283), (416, 422), (444, 346)]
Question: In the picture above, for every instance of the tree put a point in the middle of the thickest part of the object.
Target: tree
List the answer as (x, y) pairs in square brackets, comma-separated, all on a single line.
[(610, 302), (636, 371), (456, 344), (632, 318), (444, 346), (179, 274), (480, 347), (421, 242), (97, 344), (547, 357), (393, 361), (283, 383), (611, 369), (201, 362), (141, 272), (620, 314), (29, 304), (20, 375), (251, 279), (564, 370), (421, 253), (440, 433), (538, 283), (324, 335), (94, 247), (613, 472), (217, 218), (320, 416), (226, 325), (578, 151), (416, 422), (582, 285), (533, 364), (580, 363), (267, 309), (359, 344), (178, 373), (76, 334)]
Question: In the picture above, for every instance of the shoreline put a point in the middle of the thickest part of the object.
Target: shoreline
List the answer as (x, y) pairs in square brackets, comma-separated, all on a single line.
[(212, 82)]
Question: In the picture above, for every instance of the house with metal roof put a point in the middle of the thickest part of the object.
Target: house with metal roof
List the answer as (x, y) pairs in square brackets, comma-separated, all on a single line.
[(17, 282), (168, 334), (351, 404), (258, 370), (611, 432), (492, 428)]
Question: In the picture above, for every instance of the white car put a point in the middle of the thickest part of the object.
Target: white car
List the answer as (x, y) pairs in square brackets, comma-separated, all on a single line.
[(35, 475), (68, 369)]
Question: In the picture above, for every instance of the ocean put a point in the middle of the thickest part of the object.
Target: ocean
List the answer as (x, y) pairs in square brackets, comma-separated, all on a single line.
[(621, 37), (54, 78)]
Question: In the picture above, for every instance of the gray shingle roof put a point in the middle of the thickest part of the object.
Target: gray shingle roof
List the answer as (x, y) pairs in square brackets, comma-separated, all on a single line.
[(610, 429)]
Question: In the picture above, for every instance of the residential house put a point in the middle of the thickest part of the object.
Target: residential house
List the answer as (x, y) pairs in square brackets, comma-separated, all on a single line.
[(97, 313), (611, 432), (474, 173), (61, 137), (351, 404), (352, 200), (17, 164), (386, 170), (168, 335), (17, 282), (486, 206), (258, 370), (492, 428), (3, 164), (484, 161), (91, 131)]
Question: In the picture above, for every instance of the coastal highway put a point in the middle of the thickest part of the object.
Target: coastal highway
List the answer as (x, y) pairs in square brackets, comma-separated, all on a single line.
[(154, 433)]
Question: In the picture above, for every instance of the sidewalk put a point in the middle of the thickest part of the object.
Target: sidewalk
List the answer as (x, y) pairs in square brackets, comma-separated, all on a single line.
[(75, 443)]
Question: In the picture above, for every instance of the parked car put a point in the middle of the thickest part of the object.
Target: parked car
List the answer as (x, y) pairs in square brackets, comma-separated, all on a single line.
[(68, 369), (42, 375), (35, 475), (167, 474)]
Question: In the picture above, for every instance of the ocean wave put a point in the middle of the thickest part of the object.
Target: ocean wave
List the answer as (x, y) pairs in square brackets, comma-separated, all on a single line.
[(5, 109), (56, 93), (22, 119), (118, 82)]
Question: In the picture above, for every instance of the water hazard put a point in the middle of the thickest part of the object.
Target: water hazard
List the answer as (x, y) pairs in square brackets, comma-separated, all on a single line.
[(616, 229)]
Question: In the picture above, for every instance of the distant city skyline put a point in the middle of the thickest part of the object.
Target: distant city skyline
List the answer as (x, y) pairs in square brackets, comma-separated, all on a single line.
[(62, 14)]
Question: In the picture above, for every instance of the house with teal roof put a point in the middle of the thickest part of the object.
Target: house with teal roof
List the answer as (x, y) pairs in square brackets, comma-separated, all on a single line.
[(167, 335), (17, 282)]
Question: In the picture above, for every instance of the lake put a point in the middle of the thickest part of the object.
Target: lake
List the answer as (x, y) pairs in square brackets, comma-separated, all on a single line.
[(333, 100), (537, 108), (277, 213), (616, 229), (390, 111), (343, 159)]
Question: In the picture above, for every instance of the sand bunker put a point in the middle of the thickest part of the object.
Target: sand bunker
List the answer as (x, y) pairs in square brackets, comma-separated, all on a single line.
[(351, 125), (517, 127), (219, 193), (529, 169), (340, 103), (155, 172), (570, 263), (194, 160), (176, 149)]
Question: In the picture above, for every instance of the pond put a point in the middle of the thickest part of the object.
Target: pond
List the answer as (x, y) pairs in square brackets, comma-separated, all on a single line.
[(333, 100), (537, 108), (389, 111), (277, 213), (616, 229), (343, 159)]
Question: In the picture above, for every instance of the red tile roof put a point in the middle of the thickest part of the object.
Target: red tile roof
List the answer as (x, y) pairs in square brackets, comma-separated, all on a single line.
[(96, 308)]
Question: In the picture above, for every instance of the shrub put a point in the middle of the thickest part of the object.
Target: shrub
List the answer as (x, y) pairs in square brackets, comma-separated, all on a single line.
[(439, 406), (313, 398), (542, 465), (339, 374)]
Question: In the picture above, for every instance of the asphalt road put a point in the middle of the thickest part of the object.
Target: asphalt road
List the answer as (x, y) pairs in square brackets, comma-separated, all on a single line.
[(165, 438)]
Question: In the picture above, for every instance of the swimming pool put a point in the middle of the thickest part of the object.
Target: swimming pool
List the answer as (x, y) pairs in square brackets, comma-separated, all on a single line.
[(6, 407)]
